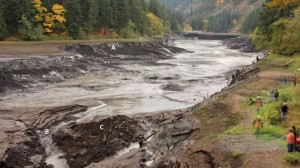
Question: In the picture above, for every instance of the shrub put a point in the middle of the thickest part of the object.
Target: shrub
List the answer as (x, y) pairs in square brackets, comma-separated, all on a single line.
[(238, 129), (286, 97), (128, 31), (29, 32), (273, 130), (271, 112), (3, 28), (292, 158)]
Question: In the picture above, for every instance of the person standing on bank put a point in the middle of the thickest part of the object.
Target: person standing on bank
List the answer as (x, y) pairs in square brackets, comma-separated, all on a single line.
[(290, 141), (258, 125), (276, 94), (284, 110), (295, 80), (258, 103)]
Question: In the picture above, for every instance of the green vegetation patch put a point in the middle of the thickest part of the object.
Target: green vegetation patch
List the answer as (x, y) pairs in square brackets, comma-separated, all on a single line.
[(278, 63), (236, 130), (292, 158), (238, 154)]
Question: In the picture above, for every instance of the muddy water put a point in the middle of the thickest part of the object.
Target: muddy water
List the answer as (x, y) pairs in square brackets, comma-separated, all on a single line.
[(138, 88)]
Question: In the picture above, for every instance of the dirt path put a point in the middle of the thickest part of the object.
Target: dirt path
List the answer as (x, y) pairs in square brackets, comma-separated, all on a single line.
[(11, 49)]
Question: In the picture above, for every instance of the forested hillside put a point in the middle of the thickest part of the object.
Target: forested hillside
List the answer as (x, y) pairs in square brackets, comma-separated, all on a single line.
[(218, 15), (279, 27), (84, 19)]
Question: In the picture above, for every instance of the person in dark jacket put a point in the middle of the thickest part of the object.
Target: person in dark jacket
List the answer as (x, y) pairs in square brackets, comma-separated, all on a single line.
[(276, 94), (295, 134), (284, 110)]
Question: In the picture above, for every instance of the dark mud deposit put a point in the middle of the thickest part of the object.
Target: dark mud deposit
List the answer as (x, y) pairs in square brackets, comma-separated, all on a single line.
[(243, 44), (83, 143), (87, 143)]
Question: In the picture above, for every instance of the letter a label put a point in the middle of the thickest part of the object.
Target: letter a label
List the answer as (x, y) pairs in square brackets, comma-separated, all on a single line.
[(113, 47)]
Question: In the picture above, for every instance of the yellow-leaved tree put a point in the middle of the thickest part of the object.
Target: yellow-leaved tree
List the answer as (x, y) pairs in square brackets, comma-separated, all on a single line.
[(156, 25), (220, 2), (48, 19), (187, 27), (205, 25), (39, 10), (57, 15), (282, 3), (235, 21)]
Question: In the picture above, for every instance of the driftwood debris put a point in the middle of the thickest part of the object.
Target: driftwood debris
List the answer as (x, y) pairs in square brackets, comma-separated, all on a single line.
[(183, 133)]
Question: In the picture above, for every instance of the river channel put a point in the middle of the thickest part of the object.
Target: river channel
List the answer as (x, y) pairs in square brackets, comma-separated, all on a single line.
[(171, 84)]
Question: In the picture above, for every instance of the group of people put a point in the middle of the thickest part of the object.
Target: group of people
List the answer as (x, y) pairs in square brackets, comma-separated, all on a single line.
[(258, 123), (291, 137)]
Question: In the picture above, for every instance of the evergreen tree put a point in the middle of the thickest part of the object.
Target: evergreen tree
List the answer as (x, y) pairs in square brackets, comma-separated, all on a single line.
[(13, 10), (105, 13), (90, 11), (74, 18), (138, 16), (123, 14), (157, 8), (251, 21), (3, 28), (29, 31)]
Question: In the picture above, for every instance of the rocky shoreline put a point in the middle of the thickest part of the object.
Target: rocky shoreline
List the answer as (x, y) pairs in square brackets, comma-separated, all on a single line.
[(85, 144), (242, 43)]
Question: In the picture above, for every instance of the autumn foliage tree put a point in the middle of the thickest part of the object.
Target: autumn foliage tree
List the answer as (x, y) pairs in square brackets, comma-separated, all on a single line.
[(39, 10), (187, 27), (48, 19), (156, 25), (282, 3), (279, 26), (57, 15), (84, 19), (219, 2)]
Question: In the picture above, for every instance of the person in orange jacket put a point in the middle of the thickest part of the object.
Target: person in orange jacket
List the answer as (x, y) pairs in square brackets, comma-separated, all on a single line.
[(258, 125), (290, 139)]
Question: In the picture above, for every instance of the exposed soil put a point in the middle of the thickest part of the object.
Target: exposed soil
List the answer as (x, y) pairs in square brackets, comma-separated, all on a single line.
[(28, 153)]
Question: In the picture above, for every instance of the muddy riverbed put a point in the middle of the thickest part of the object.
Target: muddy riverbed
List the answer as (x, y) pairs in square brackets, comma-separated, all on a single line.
[(91, 108)]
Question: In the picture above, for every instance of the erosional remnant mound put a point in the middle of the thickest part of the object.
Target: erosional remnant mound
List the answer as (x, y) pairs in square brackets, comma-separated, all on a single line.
[(87, 143)]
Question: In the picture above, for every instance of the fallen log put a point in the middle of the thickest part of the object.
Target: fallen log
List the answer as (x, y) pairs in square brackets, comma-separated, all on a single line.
[(183, 133)]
